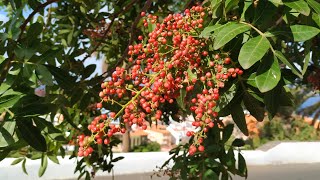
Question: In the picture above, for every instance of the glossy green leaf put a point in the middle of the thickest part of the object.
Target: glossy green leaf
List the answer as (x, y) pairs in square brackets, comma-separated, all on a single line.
[(230, 4), (24, 166), (6, 133), (293, 68), (298, 5), (253, 50), (53, 158), (314, 5), (238, 117), (316, 18), (206, 33), (8, 101), (44, 164), (228, 32), (302, 32), (31, 134), (180, 99), (17, 161), (268, 74)]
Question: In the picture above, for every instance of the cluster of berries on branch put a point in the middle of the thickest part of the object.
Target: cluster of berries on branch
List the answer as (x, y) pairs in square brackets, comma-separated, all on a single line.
[(172, 61)]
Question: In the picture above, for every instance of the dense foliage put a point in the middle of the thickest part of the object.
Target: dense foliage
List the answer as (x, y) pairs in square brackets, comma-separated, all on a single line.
[(209, 59)]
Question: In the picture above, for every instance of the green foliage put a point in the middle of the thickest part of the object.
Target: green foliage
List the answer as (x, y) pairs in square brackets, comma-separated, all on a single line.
[(147, 147), (270, 40)]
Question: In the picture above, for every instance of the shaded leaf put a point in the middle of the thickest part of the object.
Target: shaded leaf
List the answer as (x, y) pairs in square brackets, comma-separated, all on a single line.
[(238, 117), (242, 166), (254, 106), (227, 132), (31, 134), (63, 78), (238, 142), (209, 174)]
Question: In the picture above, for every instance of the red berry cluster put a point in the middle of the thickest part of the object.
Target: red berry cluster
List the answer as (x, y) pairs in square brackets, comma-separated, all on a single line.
[(314, 79), (171, 60)]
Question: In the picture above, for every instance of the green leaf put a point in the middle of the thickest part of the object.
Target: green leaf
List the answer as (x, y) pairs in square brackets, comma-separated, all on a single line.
[(293, 68), (209, 174), (44, 75), (230, 4), (63, 78), (44, 164), (254, 106), (231, 161), (180, 99), (227, 132), (314, 5), (117, 159), (238, 117), (53, 158), (24, 166), (271, 100), (238, 142), (302, 32), (88, 71), (252, 51), (242, 165), (316, 18), (228, 32), (8, 101), (42, 124), (268, 74), (206, 33), (34, 31), (6, 133), (277, 2), (31, 134), (33, 109), (17, 161), (46, 56), (307, 58), (191, 76), (298, 5)]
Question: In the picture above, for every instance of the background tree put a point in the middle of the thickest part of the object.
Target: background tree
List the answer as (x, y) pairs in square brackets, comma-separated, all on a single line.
[(47, 43)]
